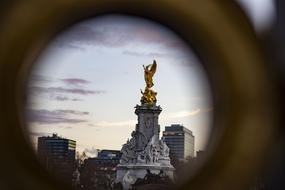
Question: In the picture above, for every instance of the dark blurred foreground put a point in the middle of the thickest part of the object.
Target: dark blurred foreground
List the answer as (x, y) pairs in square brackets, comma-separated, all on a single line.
[(273, 44)]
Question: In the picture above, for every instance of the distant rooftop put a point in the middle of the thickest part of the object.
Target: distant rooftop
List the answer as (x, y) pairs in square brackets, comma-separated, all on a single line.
[(177, 127), (55, 136)]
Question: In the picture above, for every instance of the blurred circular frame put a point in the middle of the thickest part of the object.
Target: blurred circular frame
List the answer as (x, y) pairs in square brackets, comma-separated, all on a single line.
[(245, 111)]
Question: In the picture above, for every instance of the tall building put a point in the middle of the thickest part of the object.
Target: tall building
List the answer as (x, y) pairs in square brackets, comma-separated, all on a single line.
[(57, 155), (180, 141)]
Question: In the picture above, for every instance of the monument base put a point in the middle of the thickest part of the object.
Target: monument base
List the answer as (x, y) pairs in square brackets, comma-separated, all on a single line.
[(145, 157), (129, 174)]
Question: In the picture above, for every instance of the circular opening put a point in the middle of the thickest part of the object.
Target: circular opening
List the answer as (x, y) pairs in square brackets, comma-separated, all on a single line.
[(81, 97)]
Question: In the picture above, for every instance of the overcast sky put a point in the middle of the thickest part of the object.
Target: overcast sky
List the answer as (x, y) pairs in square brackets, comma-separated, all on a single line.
[(88, 80)]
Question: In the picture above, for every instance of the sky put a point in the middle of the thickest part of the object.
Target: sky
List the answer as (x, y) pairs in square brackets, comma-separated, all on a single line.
[(87, 82)]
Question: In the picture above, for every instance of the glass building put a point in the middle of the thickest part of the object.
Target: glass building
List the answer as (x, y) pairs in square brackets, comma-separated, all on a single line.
[(57, 155), (180, 141)]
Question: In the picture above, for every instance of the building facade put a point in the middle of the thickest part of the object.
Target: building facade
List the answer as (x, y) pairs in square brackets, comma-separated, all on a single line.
[(180, 141), (109, 154), (100, 172), (57, 155)]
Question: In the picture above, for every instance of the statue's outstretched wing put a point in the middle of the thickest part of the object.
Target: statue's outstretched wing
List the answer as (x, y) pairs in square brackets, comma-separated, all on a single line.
[(153, 67)]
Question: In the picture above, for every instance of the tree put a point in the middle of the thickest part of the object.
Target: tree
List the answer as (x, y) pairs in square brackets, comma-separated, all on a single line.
[(80, 157)]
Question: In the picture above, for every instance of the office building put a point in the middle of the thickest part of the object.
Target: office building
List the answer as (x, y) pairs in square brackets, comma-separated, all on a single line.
[(57, 155), (180, 141)]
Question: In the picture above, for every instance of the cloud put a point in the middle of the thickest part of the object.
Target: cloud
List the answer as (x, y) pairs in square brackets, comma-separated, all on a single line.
[(180, 114), (38, 134), (72, 87), (44, 116), (74, 90), (61, 98), (55, 90), (118, 32), (59, 44), (165, 117), (115, 123), (141, 54), (86, 34), (186, 113), (64, 98), (36, 78), (75, 99), (75, 81), (205, 110), (72, 112), (91, 152)]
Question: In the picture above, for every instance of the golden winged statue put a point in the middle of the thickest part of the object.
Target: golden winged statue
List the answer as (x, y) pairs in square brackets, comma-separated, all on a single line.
[(148, 74), (149, 96)]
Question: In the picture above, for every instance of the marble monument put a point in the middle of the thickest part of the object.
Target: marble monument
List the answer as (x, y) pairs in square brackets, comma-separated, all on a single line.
[(145, 152)]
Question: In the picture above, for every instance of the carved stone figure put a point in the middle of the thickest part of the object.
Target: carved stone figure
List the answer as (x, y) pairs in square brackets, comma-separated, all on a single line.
[(164, 149), (141, 158), (132, 143), (148, 154), (128, 152), (155, 153)]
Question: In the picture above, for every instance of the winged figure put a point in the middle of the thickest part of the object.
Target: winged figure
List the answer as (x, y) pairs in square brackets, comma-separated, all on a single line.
[(148, 74)]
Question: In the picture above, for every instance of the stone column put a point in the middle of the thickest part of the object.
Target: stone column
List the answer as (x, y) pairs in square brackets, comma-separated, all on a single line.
[(148, 120), (144, 153)]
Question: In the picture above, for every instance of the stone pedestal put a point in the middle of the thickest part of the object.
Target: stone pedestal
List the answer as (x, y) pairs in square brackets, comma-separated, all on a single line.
[(129, 174), (144, 152)]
